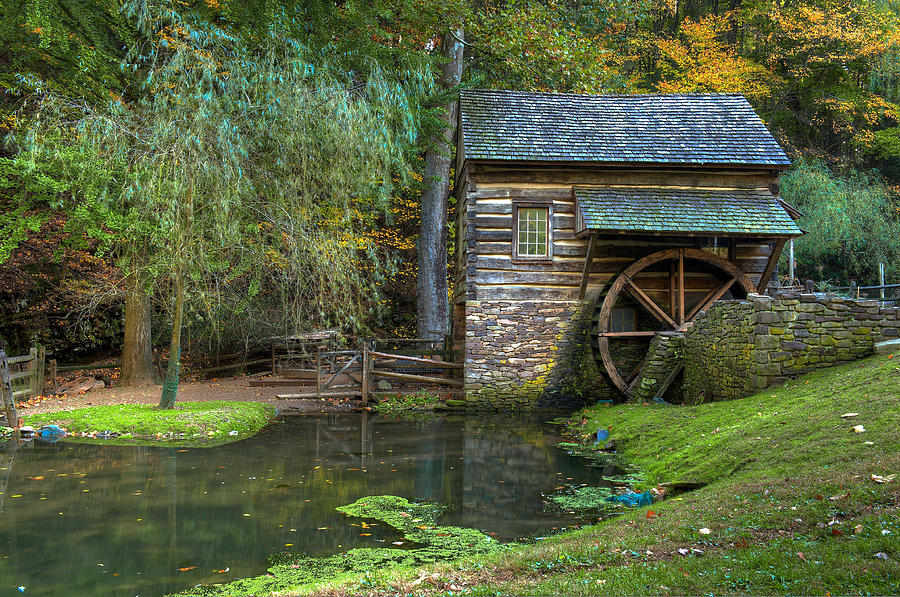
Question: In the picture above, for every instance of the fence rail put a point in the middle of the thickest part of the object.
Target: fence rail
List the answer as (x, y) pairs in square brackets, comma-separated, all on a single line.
[(22, 378)]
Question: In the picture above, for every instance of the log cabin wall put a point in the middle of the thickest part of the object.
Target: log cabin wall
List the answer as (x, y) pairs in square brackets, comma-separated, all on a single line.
[(528, 335)]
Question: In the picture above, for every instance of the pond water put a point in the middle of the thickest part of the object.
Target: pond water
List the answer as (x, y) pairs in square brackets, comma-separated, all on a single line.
[(114, 520)]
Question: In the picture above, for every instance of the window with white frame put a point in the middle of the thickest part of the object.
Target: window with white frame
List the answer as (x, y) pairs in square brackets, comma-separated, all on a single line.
[(532, 233)]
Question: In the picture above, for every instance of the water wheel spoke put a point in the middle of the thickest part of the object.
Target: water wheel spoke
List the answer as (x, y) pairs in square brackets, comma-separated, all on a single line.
[(635, 371), (711, 297), (649, 304), (673, 315)]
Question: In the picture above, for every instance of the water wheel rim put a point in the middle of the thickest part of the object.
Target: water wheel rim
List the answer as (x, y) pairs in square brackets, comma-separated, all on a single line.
[(738, 278)]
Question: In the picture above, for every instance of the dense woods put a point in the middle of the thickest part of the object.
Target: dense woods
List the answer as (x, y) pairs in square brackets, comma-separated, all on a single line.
[(227, 171)]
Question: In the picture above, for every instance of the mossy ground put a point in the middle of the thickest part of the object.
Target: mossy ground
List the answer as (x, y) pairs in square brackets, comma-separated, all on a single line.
[(188, 424), (789, 503)]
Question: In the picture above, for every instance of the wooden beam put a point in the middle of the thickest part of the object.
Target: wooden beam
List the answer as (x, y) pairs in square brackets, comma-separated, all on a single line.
[(672, 301), (588, 260), (421, 378), (635, 371), (770, 266), (436, 363), (343, 369), (648, 304), (642, 334), (711, 297)]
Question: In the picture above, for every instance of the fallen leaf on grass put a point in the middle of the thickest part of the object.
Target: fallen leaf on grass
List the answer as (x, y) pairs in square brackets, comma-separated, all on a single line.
[(880, 479), (186, 569), (857, 429), (849, 415)]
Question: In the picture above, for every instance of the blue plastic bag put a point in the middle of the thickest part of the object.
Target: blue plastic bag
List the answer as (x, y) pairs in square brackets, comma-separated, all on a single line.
[(632, 500), (50, 434)]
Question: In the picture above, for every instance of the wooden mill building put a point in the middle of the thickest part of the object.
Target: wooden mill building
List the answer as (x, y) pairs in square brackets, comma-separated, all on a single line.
[(587, 225)]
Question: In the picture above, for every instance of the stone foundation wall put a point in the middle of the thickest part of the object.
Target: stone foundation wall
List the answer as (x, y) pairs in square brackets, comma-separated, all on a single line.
[(739, 347), (530, 354)]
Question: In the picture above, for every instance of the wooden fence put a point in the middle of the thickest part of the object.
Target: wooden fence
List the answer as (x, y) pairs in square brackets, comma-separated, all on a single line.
[(21, 378), (27, 374), (409, 364)]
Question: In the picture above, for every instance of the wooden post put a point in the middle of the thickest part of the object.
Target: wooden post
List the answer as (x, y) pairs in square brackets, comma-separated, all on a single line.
[(672, 298), (32, 368), (42, 369), (588, 261), (274, 371), (364, 382), (881, 279), (53, 376), (791, 262), (6, 392), (770, 266), (318, 372)]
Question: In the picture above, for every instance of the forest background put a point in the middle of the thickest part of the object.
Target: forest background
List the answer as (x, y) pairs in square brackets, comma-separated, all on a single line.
[(119, 179)]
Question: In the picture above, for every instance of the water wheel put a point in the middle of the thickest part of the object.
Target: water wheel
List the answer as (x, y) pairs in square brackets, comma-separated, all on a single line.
[(670, 299)]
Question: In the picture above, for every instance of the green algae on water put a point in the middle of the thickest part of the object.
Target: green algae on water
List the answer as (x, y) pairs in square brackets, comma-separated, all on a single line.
[(584, 499), (416, 521)]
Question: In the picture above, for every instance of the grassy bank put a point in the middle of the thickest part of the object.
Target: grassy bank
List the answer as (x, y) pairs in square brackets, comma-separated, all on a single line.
[(189, 423), (790, 505)]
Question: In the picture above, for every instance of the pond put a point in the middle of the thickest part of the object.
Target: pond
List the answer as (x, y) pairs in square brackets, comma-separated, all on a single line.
[(119, 520)]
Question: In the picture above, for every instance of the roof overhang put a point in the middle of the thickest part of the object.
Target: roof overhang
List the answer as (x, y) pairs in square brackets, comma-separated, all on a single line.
[(680, 211)]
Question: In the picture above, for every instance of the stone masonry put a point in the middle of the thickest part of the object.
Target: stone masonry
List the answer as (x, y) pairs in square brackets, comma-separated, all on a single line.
[(530, 354), (739, 347), (665, 355)]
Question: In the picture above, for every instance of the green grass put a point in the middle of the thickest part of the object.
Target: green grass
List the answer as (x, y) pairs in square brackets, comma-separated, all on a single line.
[(789, 503), (189, 423), (411, 402)]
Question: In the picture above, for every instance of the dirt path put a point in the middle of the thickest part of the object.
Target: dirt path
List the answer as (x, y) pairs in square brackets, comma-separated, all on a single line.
[(226, 389)]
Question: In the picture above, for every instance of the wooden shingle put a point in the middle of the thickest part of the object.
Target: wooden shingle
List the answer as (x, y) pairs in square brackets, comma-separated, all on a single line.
[(687, 129)]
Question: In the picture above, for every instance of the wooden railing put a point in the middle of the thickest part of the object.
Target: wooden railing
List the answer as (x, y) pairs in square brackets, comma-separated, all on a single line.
[(21, 378), (414, 361), (26, 374)]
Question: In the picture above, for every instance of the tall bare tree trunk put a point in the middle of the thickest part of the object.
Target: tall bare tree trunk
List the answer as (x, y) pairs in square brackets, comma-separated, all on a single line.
[(173, 370), (433, 301), (137, 365)]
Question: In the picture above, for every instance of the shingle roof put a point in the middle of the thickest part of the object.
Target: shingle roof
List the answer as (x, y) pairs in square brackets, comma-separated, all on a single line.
[(672, 210), (715, 129)]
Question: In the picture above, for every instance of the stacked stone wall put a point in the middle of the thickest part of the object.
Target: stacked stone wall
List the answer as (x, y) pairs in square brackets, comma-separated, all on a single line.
[(530, 354), (665, 355), (739, 347)]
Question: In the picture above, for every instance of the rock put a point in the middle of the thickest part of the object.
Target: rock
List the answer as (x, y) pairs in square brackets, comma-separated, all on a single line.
[(384, 384), (455, 403), (887, 347)]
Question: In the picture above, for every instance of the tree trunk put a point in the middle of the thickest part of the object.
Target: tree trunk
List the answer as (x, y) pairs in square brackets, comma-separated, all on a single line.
[(137, 365), (170, 385), (433, 301)]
